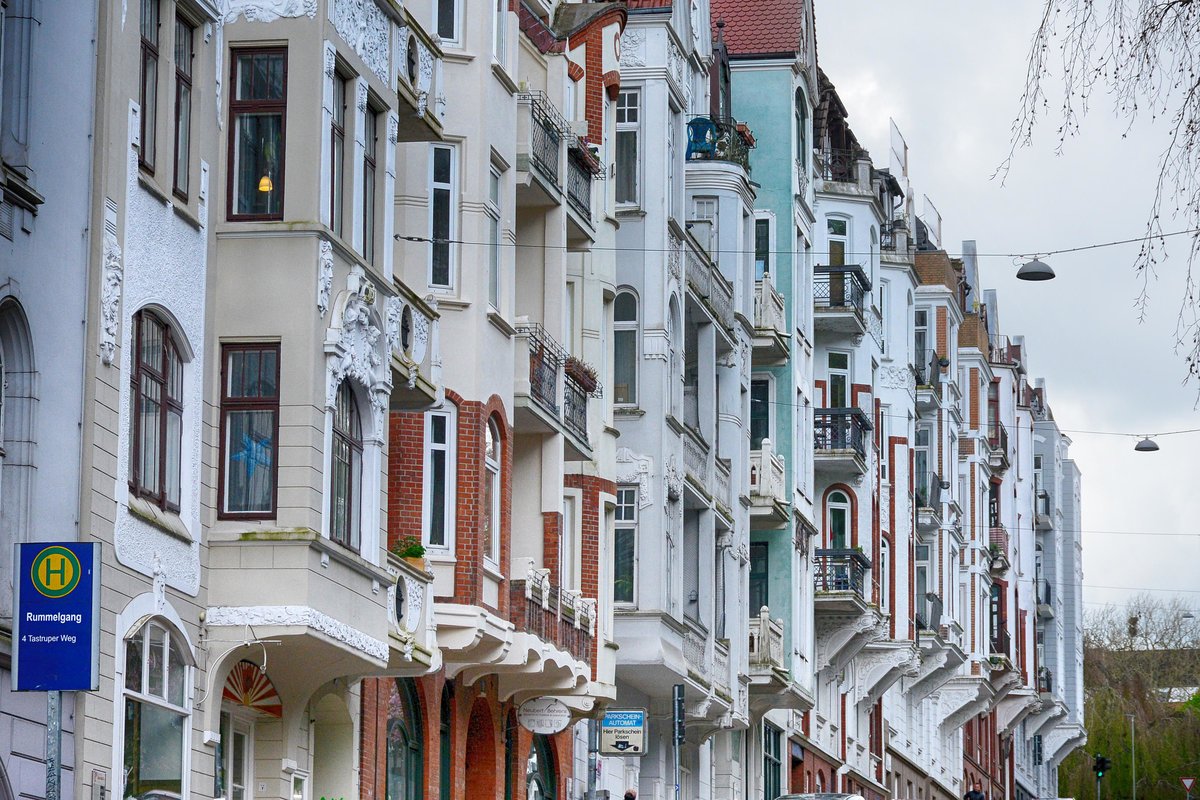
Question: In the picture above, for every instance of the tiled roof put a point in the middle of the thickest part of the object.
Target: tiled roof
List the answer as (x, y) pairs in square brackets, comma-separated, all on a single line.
[(760, 27)]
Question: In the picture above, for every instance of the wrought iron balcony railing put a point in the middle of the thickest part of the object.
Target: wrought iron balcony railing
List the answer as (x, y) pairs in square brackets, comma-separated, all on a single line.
[(1001, 641), (929, 612), (927, 369), (998, 436), (843, 288), (719, 139), (841, 570), (546, 359), (1001, 351), (553, 614), (841, 429), (840, 165), (1045, 680), (580, 170), (545, 138), (575, 407), (929, 491)]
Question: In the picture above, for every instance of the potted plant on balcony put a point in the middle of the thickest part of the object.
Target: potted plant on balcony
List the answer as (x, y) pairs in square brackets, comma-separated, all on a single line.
[(582, 373), (411, 550)]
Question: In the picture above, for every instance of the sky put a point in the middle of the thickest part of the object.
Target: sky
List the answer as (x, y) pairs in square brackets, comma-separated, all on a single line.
[(950, 73)]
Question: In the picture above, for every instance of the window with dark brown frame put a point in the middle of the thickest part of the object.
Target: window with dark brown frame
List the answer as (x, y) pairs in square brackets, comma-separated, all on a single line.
[(346, 463), (185, 34), (370, 148), (249, 429), (148, 78), (258, 110), (156, 392), (337, 153)]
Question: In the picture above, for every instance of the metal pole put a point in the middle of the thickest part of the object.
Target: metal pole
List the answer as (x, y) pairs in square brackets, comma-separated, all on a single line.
[(53, 745), (593, 726), (1097, 787), (1133, 756)]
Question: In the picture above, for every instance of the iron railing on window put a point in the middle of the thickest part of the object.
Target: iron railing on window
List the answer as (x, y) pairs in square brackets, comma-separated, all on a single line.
[(840, 165), (718, 139), (929, 491), (841, 429), (1045, 592), (998, 436), (545, 142), (841, 570), (1044, 506), (1001, 641), (579, 183), (842, 288), (929, 612), (1001, 350), (927, 370), (546, 358), (575, 407)]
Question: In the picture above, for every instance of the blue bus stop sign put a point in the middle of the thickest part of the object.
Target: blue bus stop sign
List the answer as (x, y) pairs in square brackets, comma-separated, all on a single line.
[(56, 623)]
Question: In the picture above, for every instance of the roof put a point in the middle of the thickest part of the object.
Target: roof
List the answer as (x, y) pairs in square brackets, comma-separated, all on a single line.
[(764, 27)]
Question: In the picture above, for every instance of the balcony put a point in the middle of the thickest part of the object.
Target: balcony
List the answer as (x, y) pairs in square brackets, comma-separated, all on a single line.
[(840, 578), (413, 338), (840, 165), (929, 612), (721, 675), (768, 493), (1001, 642), (412, 637), (998, 548), (709, 286), (840, 440), (558, 617), (928, 496), (417, 76), (722, 487), (581, 169), (839, 299), (772, 336), (1043, 506), (696, 460), (1045, 683), (766, 644), (998, 445), (540, 133), (1003, 353), (541, 366), (1045, 598), (928, 374), (719, 139)]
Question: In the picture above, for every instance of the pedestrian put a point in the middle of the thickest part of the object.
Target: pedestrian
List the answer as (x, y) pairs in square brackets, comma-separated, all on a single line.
[(631, 794), (976, 792)]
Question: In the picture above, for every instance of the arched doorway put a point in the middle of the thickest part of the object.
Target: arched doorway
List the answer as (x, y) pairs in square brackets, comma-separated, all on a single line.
[(405, 751), (333, 749), (18, 404), (481, 744), (541, 774)]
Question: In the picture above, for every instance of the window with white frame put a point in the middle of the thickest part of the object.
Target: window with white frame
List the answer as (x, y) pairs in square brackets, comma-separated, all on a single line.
[(628, 119), (838, 234), (762, 248), (837, 509), (625, 545), (446, 21), (370, 150), (492, 490), (760, 412), (884, 299), (839, 380), (439, 479), (921, 355), (569, 565), (703, 222), (884, 566), (493, 208), (442, 215), (337, 153), (922, 583), (346, 469), (499, 31), (157, 706), (625, 348)]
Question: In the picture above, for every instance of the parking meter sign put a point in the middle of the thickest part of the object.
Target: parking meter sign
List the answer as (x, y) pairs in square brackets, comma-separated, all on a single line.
[(623, 732)]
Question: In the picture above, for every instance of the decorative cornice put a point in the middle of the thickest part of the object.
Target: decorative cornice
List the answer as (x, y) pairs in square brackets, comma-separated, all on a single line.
[(293, 616)]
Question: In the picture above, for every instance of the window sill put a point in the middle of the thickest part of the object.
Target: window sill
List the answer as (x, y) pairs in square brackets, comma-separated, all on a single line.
[(628, 411), (492, 570), (185, 213), (456, 55), (502, 75), (630, 210), (500, 323), (440, 556), (166, 521)]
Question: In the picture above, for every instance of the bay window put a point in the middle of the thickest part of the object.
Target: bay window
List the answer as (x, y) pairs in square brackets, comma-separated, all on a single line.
[(346, 469), (258, 110), (625, 545), (249, 429)]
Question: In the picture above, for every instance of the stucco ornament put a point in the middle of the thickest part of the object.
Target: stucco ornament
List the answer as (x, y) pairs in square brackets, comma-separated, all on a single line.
[(110, 298), (675, 258), (395, 312), (352, 348), (402, 36), (241, 616), (420, 334), (897, 378), (424, 77), (366, 29), (414, 604), (324, 276), (266, 10), (673, 478), (633, 44), (635, 468), (361, 101)]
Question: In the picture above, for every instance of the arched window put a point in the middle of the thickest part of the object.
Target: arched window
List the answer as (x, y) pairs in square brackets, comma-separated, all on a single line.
[(492, 489), (346, 463), (156, 393), (884, 565), (541, 780), (405, 761), (625, 348), (838, 516), (801, 129), (156, 708)]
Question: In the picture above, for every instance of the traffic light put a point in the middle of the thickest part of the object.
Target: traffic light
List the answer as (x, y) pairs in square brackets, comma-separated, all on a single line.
[(1101, 766)]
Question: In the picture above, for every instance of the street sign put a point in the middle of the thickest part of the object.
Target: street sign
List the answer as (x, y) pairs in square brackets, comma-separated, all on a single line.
[(1187, 784), (623, 732), (545, 715), (56, 624)]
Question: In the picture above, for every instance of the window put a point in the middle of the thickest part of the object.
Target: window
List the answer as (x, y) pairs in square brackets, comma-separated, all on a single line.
[(628, 116), (921, 477), (439, 478), (760, 412), (442, 216), (492, 490), (921, 355), (762, 248), (838, 508), (250, 428), (921, 585), (705, 222), (839, 380), (258, 109), (185, 35), (759, 570), (156, 392), (884, 291), (492, 207), (625, 545), (541, 780), (569, 562), (625, 349), (446, 741), (884, 561), (346, 469), (405, 760), (148, 98), (772, 761), (156, 697), (337, 154), (837, 241), (233, 759), (370, 145), (801, 132), (500, 31), (446, 22)]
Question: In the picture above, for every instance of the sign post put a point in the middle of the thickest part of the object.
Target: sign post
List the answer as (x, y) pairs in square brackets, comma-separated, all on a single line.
[(1188, 783), (678, 734), (56, 632)]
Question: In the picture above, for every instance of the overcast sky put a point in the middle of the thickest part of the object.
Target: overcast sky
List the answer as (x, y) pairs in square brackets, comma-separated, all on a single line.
[(950, 73)]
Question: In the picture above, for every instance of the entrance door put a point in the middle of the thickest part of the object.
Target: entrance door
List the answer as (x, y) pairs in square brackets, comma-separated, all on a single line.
[(233, 758)]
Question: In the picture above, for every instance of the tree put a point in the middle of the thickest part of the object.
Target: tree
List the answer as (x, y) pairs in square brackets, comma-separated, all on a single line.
[(1145, 54), (1132, 654)]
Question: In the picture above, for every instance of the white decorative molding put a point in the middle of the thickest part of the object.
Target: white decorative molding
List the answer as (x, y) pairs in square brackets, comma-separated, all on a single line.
[(635, 468), (675, 258), (361, 95), (420, 334), (366, 29), (393, 129), (110, 298), (266, 10), (897, 378), (324, 276), (402, 36), (424, 77), (395, 312), (352, 347), (330, 59), (291, 616), (673, 478), (633, 49), (414, 604)]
